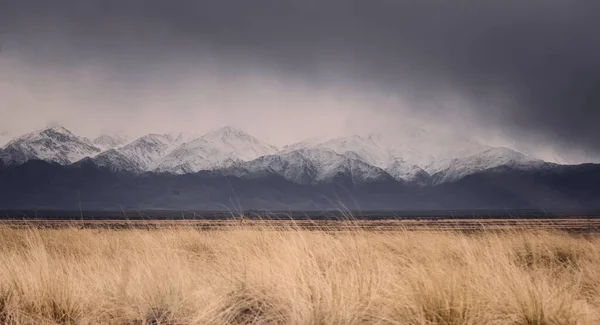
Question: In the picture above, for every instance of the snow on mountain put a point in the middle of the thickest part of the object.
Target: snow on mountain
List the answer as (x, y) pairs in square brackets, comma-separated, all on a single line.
[(329, 164), (371, 151), (55, 144), (195, 156), (238, 142), (401, 170), (459, 167), (106, 142), (366, 149), (413, 154), (425, 148), (291, 165), (217, 149), (409, 153), (13, 155), (117, 161), (147, 150), (450, 157), (311, 165)]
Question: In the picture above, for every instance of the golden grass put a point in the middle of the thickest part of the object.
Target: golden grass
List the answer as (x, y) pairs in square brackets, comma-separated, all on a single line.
[(241, 276)]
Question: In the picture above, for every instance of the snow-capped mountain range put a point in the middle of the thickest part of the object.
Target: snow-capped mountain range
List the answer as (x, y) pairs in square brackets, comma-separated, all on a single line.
[(55, 144), (414, 156), (217, 149)]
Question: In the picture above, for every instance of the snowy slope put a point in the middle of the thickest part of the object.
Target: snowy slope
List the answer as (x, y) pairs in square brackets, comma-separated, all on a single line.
[(195, 156), (291, 165), (401, 170), (329, 164), (459, 167), (147, 150), (116, 161), (311, 165), (413, 154), (106, 142), (370, 150), (217, 149), (448, 157), (55, 144), (366, 149), (425, 148), (235, 141)]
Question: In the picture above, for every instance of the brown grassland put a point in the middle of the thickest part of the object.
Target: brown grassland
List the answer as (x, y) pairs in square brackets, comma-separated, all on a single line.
[(261, 275)]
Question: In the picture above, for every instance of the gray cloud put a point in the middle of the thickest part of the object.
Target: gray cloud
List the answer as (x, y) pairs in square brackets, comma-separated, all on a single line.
[(526, 71)]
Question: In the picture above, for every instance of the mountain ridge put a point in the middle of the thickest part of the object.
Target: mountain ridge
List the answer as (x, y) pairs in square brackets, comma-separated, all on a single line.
[(413, 155), (216, 149)]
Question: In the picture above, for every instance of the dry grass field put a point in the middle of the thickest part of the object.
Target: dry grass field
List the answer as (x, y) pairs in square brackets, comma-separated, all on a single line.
[(261, 275)]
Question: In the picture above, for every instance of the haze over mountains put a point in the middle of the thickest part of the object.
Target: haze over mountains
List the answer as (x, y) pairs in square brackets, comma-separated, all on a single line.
[(413, 155), (410, 168)]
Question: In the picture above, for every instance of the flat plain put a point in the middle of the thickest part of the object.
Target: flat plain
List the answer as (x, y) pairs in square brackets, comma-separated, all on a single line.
[(575, 224), (542, 271)]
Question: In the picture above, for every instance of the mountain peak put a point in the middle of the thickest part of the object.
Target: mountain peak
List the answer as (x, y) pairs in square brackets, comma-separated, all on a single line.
[(55, 132), (56, 129), (106, 142), (232, 136), (227, 132), (53, 143), (219, 148)]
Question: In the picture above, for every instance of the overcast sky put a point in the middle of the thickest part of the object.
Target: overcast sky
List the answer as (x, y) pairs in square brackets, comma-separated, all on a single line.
[(525, 74)]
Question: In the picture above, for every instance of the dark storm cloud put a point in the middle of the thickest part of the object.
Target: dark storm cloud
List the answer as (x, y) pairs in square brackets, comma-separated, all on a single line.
[(530, 67)]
